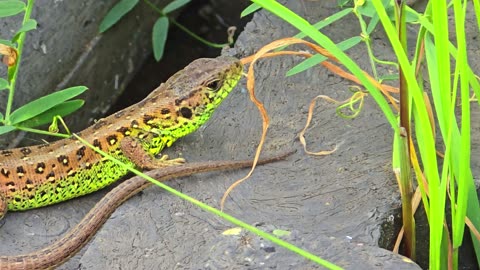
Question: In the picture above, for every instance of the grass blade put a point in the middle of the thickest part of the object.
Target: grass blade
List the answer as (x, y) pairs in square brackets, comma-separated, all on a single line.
[(249, 10), (318, 58)]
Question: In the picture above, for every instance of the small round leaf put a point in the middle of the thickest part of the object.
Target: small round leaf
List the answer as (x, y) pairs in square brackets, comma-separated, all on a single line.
[(159, 37)]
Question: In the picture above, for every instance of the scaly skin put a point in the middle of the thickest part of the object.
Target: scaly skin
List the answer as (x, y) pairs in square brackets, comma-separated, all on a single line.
[(65, 247), (37, 176)]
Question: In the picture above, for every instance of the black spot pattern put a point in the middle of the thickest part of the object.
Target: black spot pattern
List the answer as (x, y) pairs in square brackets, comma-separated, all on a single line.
[(63, 160), (20, 171), (165, 111), (186, 112), (40, 167), (124, 130), (97, 143), (6, 153), (112, 139), (5, 172), (26, 151), (81, 152), (147, 119)]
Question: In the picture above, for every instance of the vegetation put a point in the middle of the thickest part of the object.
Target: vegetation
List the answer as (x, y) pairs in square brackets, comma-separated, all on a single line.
[(160, 28), (441, 171), (451, 83)]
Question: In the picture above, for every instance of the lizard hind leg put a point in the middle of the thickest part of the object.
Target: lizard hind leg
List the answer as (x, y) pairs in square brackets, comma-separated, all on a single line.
[(134, 151)]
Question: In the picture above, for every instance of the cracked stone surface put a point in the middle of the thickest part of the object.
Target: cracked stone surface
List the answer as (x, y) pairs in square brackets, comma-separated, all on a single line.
[(332, 206)]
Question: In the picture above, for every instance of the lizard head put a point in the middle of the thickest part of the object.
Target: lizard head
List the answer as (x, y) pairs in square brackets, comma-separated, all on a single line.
[(193, 94)]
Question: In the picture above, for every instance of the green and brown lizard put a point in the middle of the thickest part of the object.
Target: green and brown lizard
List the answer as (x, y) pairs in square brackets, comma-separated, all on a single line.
[(41, 175), (65, 247)]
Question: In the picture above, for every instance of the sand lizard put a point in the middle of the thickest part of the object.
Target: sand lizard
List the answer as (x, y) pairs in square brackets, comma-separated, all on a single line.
[(41, 175), (65, 247)]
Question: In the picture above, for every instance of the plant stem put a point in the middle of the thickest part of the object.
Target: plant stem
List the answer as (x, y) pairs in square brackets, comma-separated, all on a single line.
[(43, 132), (13, 80)]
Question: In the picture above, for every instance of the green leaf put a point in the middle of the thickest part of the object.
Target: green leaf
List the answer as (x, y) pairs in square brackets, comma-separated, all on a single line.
[(11, 7), (159, 37), (367, 9), (174, 5), (27, 26), (6, 129), (250, 9), (318, 58), (1, 117), (373, 23), (116, 13), (342, 3), (281, 233), (3, 84), (7, 42), (44, 103), (46, 117), (389, 77), (11, 72)]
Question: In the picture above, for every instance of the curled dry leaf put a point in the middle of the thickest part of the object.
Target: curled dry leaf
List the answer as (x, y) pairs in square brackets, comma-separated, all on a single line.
[(9, 55), (265, 52)]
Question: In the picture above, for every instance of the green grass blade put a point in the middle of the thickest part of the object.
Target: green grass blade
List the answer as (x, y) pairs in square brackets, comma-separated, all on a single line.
[(116, 13), (318, 58), (45, 103), (461, 66), (159, 37), (373, 24), (301, 24), (174, 5), (11, 7), (327, 21), (333, 18), (249, 10), (217, 212)]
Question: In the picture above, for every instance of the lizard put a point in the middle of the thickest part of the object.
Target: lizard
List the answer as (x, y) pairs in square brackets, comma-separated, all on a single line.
[(66, 246), (42, 175)]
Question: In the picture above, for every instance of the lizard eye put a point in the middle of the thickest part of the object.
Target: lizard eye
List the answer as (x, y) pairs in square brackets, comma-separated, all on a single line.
[(214, 85)]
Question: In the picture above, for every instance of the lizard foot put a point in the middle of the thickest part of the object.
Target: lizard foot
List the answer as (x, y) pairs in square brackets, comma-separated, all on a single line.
[(134, 151)]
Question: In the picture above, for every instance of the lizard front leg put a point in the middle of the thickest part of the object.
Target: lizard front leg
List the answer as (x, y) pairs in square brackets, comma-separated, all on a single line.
[(134, 151)]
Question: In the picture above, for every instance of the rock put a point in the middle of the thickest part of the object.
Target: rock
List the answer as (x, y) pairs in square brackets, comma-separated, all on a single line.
[(66, 50)]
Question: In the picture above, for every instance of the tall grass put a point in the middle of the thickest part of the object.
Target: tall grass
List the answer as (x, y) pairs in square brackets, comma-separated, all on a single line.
[(450, 82)]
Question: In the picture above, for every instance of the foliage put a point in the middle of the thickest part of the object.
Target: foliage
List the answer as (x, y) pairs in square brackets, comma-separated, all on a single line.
[(44, 109), (439, 56), (160, 27)]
